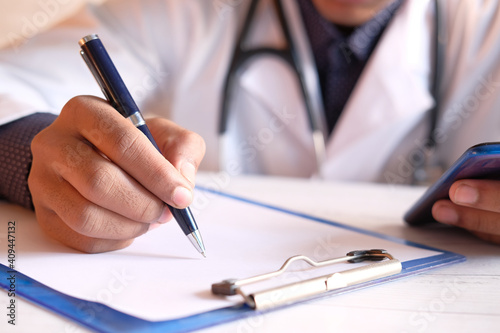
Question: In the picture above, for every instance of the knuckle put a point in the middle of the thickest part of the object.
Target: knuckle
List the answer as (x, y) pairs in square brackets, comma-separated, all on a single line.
[(127, 144), (99, 182), (76, 102), (36, 143), (39, 143), (45, 218), (149, 211), (88, 222), (72, 110), (73, 104), (34, 184)]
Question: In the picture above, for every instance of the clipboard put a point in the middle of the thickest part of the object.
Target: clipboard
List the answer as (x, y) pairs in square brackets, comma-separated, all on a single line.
[(101, 317)]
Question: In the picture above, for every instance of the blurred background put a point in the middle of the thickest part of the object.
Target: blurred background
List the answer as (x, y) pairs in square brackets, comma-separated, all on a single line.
[(21, 20)]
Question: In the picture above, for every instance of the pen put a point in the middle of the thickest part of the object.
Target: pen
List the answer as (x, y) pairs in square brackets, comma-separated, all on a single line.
[(113, 87)]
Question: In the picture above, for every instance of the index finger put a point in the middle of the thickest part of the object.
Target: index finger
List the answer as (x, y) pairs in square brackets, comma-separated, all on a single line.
[(181, 147), (118, 139)]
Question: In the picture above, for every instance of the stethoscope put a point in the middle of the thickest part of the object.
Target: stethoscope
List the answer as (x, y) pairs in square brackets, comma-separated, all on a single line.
[(314, 108)]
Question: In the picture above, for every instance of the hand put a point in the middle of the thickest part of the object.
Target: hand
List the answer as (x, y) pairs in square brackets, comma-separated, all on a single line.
[(97, 182), (475, 206)]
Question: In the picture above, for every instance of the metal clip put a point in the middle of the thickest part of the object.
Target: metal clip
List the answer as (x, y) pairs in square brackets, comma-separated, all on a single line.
[(297, 291)]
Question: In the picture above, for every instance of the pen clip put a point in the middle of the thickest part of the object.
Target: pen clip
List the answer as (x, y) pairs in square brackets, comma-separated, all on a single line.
[(96, 74), (305, 289)]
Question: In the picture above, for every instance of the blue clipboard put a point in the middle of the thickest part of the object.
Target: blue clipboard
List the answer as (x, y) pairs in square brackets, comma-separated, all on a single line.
[(101, 318)]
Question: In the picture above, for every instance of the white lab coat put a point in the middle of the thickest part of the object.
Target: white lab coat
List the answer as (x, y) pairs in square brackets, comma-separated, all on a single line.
[(174, 56)]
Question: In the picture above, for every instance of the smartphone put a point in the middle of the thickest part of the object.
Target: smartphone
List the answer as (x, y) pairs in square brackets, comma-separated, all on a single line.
[(481, 161)]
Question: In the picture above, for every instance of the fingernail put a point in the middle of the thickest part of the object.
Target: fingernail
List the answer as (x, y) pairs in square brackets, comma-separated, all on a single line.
[(165, 216), (188, 170), (182, 197), (465, 194), (446, 215)]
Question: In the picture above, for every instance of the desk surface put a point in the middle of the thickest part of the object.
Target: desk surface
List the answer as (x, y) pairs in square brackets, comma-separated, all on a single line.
[(458, 298)]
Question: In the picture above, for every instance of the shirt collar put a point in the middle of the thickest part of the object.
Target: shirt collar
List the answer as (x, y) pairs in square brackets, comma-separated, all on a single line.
[(361, 41)]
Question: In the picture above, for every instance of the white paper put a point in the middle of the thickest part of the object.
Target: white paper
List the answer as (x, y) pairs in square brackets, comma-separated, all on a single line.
[(161, 276)]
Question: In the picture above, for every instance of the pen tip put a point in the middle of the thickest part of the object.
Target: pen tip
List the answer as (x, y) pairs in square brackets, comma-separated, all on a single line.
[(204, 255)]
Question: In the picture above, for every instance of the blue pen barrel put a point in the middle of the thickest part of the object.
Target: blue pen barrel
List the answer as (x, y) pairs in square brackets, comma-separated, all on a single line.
[(104, 71), (184, 215), (113, 87), (144, 129), (179, 214)]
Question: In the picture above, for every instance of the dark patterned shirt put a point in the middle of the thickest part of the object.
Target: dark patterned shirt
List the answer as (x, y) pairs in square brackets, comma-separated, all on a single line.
[(341, 53), (15, 156)]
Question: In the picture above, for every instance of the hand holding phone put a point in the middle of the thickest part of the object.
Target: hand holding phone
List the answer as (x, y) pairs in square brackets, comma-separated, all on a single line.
[(481, 161)]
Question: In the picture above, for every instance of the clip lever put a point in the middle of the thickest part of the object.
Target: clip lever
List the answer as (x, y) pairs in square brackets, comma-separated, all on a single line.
[(306, 289)]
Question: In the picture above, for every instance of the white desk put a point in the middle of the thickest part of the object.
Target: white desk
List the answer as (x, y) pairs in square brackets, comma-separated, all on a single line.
[(458, 298)]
